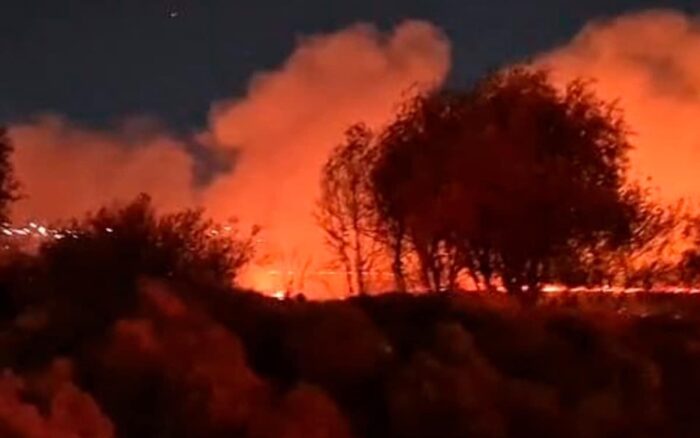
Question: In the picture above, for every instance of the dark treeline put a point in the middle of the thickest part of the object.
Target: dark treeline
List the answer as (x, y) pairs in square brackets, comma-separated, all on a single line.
[(131, 326), (512, 183)]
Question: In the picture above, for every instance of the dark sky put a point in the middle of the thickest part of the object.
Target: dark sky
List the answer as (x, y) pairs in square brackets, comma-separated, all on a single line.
[(97, 60)]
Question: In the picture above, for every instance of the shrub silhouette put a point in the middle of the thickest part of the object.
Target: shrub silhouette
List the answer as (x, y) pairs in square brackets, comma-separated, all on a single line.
[(77, 286)]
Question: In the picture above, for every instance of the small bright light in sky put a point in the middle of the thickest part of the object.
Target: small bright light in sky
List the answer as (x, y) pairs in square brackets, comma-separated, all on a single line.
[(173, 14)]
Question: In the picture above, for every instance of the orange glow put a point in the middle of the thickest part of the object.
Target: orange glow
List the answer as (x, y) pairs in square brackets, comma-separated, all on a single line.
[(66, 170), (648, 63), (284, 127), (291, 117), (288, 123)]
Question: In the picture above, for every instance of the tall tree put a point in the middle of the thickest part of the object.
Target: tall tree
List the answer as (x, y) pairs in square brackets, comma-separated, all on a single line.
[(506, 179), (346, 210)]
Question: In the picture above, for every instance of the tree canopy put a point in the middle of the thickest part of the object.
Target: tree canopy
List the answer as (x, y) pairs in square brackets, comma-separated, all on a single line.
[(506, 180)]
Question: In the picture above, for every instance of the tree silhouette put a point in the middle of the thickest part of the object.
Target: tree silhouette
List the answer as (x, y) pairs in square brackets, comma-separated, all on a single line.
[(101, 261), (645, 259), (8, 184), (688, 268), (346, 211), (505, 180), (180, 245)]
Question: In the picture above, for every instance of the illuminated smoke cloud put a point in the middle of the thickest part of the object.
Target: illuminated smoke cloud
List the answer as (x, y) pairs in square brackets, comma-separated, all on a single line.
[(66, 170), (284, 127), (291, 119), (648, 62)]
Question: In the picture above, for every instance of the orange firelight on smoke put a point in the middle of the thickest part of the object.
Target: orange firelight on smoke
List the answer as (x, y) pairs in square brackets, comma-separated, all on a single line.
[(286, 126), (291, 117)]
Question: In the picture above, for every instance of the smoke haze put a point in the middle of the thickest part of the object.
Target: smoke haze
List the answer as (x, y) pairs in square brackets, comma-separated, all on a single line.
[(66, 170), (284, 128), (648, 62), (291, 117)]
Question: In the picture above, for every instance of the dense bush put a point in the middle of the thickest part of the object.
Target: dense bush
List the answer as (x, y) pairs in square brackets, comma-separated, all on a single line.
[(191, 359)]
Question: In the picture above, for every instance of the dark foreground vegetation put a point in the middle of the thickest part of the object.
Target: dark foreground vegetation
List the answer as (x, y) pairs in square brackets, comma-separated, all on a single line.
[(196, 361), (132, 330)]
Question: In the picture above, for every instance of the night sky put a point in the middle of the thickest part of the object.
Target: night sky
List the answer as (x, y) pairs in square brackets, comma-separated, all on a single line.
[(98, 60)]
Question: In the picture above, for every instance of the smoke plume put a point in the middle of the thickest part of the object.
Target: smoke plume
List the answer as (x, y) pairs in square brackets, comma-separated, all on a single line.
[(284, 128), (648, 63), (66, 170), (291, 119)]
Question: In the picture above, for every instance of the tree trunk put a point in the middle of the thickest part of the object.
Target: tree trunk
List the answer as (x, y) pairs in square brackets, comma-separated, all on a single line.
[(397, 262)]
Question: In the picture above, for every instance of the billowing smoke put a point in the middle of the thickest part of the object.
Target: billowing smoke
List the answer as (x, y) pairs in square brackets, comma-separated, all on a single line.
[(66, 170), (284, 128), (648, 62), (292, 118)]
